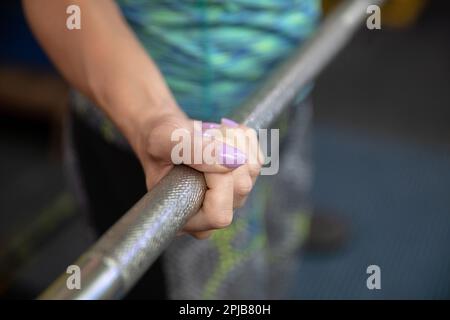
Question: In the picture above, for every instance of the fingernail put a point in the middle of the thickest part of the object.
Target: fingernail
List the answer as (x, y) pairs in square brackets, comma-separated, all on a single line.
[(229, 123), (210, 125), (231, 157)]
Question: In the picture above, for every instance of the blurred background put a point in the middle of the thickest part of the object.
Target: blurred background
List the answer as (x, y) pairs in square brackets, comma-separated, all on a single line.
[(381, 153)]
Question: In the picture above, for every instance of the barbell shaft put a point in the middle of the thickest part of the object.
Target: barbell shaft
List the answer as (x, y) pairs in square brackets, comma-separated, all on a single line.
[(111, 267)]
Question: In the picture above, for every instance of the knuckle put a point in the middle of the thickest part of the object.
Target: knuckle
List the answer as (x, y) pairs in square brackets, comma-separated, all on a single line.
[(222, 220), (243, 187), (254, 169)]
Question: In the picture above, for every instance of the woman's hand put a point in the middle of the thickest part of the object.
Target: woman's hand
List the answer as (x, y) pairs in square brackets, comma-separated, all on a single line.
[(229, 157), (106, 62)]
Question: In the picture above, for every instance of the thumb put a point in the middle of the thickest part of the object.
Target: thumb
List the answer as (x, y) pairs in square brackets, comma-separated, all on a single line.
[(178, 140)]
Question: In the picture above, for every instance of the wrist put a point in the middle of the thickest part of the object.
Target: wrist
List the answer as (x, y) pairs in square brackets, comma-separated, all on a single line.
[(135, 107)]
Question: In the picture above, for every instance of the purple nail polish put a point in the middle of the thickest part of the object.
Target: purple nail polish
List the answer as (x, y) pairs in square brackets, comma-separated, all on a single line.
[(229, 123), (231, 157), (210, 125)]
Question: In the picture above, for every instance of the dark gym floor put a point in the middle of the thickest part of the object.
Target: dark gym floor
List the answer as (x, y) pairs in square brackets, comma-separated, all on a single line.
[(382, 156), (382, 161)]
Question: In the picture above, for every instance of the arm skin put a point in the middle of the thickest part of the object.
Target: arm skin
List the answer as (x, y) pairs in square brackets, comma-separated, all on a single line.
[(103, 60), (106, 62)]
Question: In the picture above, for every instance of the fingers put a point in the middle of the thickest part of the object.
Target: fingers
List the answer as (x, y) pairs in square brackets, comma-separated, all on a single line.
[(246, 175), (217, 209), (218, 157), (230, 171), (202, 235), (154, 172), (226, 191), (242, 186), (176, 140)]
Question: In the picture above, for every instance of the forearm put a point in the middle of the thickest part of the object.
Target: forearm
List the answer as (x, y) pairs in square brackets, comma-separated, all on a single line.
[(103, 60)]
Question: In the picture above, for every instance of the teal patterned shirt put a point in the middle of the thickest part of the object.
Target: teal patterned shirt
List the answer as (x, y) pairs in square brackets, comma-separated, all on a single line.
[(214, 53)]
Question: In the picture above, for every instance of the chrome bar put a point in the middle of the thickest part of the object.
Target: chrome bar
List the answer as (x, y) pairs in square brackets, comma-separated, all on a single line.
[(111, 267)]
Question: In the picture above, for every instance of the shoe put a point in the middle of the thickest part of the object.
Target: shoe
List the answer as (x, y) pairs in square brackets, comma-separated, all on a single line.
[(328, 232)]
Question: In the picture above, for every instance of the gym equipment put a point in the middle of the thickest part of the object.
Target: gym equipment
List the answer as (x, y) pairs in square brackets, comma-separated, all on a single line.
[(111, 267)]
